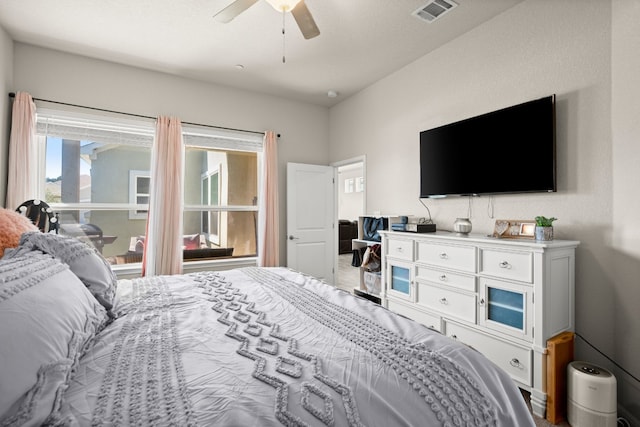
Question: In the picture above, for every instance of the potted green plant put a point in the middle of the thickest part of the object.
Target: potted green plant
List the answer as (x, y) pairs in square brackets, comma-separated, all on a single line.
[(544, 228)]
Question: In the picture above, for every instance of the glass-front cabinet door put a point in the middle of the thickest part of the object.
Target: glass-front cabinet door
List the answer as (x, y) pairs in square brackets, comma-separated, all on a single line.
[(506, 307), (400, 281)]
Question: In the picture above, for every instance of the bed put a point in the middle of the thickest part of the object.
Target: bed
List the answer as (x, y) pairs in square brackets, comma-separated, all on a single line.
[(244, 347)]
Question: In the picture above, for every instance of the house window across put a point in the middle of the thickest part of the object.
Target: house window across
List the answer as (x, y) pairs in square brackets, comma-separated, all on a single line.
[(95, 176), (211, 186), (139, 185)]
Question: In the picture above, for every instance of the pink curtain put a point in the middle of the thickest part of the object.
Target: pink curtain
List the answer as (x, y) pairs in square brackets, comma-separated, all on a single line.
[(268, 219), (22, 182), (163, 241)]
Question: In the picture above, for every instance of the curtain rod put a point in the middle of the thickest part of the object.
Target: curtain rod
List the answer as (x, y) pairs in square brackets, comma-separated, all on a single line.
[(13, 95)]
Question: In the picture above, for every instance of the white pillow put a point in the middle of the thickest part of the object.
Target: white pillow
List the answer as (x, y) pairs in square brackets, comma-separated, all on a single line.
[(47, 318), (83, 260)]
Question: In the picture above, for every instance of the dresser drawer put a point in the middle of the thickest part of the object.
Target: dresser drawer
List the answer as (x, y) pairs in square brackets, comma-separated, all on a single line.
[(448, 302), (514, 359), (400, 248), (446, 278), (429, 320), (506, 264), (455, 257)]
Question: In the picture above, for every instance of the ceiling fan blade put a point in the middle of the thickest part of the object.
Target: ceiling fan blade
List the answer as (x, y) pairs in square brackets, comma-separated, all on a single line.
[(305, 21), (233, 10)]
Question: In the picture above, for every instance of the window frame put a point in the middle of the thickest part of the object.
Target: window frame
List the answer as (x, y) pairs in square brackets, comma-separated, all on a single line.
[(141, 131), (213, 217)]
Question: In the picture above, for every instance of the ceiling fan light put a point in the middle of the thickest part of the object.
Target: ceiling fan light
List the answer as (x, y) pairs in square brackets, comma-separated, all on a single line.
[(283, 5)]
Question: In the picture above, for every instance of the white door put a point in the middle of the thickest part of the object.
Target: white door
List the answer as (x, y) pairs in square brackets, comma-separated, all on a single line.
[(310, 220)]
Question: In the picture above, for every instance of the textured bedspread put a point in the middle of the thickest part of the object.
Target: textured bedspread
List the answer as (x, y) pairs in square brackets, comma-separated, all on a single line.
[(271, 347)]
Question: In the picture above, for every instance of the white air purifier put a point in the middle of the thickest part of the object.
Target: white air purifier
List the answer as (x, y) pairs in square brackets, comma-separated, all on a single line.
[(591, 396)]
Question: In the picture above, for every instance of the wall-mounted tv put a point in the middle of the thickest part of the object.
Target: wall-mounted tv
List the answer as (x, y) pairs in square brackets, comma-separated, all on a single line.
[(512, 150)]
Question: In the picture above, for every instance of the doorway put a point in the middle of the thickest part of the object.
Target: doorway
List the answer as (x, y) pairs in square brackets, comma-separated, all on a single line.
[(350, 205)]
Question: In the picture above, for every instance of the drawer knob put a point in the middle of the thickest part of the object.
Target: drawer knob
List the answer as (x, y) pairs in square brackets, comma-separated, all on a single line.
[(454, 336), (399, 249), (443, 301), (443, 277), (514, 362), (444, 255), (505, 264)]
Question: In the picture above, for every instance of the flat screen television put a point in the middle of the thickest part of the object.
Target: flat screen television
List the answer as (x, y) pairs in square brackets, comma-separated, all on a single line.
[(512, 150)]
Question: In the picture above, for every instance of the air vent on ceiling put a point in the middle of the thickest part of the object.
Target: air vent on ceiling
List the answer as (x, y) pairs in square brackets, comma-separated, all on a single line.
[(434, 9)]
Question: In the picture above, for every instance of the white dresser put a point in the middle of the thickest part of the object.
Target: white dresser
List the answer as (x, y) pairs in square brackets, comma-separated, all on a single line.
[(503, 297)]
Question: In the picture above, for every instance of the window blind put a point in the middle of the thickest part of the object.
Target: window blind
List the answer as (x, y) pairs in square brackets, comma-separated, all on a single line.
[(84, 127), (222, 139)]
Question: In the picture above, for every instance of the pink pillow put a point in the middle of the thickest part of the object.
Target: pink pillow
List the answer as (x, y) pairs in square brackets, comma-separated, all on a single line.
[(191, 241), (12, 225)]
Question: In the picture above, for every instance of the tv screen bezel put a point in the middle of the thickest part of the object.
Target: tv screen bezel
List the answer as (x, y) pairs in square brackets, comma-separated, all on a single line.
[(550, 161)]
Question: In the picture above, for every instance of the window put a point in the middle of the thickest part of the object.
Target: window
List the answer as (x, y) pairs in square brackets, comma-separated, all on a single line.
[(95, 175), (348, 185), (211, 197), (139, 187), (223, 167)]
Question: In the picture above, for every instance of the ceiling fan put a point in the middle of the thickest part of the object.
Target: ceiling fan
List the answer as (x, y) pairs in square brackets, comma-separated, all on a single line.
[(297, 8)]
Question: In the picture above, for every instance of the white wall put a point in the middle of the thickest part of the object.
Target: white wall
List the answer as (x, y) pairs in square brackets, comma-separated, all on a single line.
[(623, 242), (534, 49), (6, 81), (53, 75)]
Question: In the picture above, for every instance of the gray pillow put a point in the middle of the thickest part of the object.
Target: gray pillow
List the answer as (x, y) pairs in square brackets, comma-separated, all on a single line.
[(47, 318), (83, 260)]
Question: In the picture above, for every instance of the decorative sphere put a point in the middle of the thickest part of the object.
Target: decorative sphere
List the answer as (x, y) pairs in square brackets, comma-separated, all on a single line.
[(462, 226)]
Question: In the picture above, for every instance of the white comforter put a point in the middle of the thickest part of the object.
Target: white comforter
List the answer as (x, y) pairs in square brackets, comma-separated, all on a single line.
[(271, 347)]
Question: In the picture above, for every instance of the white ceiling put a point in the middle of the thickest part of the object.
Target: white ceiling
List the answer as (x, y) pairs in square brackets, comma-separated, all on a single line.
[(360, 41)]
